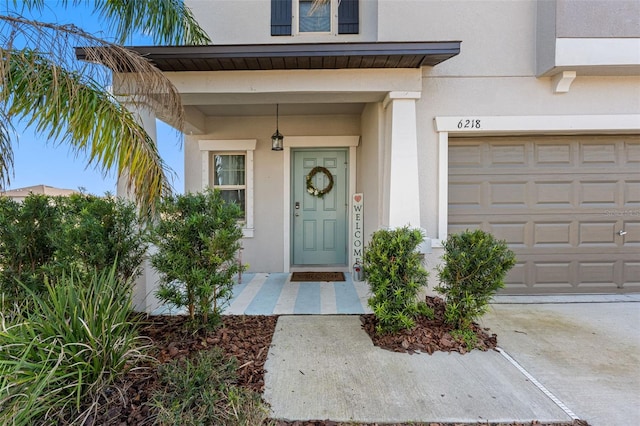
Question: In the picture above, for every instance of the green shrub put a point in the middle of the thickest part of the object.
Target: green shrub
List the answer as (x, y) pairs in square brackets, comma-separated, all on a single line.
[(57, 358), (27, 233), (473, 270), (45, 236), (394, 271), (96, 233), (198, 238), (202, 391)]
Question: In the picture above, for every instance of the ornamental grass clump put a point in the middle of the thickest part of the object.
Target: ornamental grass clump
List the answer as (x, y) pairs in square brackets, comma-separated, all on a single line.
[(473, 270), (203, 391), (66, 349), (394, 271)]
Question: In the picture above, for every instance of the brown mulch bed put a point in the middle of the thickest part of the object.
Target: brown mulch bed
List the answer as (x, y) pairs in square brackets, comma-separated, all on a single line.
[(429, 335), (248, 338)]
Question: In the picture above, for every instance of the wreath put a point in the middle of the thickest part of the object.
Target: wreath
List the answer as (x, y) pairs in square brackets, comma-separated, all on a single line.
[(311, 189)]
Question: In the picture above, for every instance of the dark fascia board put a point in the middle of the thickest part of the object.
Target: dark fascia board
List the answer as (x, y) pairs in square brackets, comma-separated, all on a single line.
[(438, 51)]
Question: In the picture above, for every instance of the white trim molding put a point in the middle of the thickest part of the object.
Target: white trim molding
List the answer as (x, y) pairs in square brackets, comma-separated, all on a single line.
[(516, 125), (556, 124), (561, 82), (597, 52), (248, 146)]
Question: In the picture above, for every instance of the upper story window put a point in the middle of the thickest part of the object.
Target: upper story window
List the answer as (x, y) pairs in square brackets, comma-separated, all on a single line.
[(307, 17), (314, 18)]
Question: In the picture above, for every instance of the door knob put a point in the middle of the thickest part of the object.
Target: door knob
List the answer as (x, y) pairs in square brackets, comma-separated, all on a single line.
[(622, 232)]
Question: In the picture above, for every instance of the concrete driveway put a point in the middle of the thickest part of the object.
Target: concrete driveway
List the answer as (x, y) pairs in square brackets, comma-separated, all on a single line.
[(586, 354)]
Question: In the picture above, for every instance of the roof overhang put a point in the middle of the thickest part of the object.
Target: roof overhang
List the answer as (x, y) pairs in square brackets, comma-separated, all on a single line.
[(296, 56)]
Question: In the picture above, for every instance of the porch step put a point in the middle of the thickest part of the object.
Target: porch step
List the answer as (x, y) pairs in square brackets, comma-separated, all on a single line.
[(275, 294)]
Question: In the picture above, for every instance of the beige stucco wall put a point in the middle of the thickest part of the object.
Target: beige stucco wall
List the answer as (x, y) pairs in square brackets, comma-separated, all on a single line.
[(597, 18), (264, 252), (249, 22)]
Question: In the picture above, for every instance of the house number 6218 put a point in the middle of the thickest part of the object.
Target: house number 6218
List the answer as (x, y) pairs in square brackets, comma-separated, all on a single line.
[(469, 124)]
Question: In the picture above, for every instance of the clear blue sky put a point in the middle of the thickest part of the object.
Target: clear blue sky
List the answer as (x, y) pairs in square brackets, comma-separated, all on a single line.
[(38, 161)]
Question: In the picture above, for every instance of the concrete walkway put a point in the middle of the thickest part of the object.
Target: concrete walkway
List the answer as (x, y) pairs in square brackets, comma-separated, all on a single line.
[(325, 367), (557, 362)]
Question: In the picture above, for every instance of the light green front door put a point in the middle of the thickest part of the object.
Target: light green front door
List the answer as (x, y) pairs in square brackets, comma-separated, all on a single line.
[(319, 224)]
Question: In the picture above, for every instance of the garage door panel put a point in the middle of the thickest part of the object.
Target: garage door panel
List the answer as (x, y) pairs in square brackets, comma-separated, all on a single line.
[(552, 234), (507, 194), (602, 194), (515, 234), (553, 194), (501, 155), (465, 156), (631, 153), (597, 233), (631, 273), (592, 154), (559, 202), (602, 273), (632, 195), (464, 226), (632, 236), (517, 276), (557, 154), (557, 274), (465, 195)]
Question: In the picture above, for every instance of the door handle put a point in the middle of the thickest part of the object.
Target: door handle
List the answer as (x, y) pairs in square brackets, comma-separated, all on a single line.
[(622, 232), (297, 207)]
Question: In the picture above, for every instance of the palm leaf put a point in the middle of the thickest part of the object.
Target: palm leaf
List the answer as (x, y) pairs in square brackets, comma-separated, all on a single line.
[(42, 82), (166, 21), (71, 109), (6, 150)]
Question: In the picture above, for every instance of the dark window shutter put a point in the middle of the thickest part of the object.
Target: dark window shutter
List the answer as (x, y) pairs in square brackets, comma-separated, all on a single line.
[(348, 16), (281, 17)]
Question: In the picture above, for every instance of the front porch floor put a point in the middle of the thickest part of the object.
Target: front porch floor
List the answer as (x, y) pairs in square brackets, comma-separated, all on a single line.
[(275, 294)]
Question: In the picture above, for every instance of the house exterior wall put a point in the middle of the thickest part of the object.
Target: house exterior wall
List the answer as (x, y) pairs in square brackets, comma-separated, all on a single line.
[(247, 22), (495, 75), (264, 250), (511, 66)]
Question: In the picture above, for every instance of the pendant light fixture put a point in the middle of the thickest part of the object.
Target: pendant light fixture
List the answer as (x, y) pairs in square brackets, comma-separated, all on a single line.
[(277, 139)]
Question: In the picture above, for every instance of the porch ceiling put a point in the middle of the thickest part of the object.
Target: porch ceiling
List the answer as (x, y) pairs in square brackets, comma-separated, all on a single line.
[(297, 56)]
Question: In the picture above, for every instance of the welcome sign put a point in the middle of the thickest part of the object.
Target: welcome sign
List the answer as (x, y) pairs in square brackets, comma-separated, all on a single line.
[(357, 233)]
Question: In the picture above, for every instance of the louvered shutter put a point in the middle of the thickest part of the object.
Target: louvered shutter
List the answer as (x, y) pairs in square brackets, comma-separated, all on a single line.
[(348, 17), (281, 17)]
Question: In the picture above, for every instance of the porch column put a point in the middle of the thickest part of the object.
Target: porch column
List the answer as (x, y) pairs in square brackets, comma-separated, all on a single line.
[(402, 161), (144, 299)]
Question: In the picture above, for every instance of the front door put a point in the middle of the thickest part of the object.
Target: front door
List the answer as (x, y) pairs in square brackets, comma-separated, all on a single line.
[(319, 221)]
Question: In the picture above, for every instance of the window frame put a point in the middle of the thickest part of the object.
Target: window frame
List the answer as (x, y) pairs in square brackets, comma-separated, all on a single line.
[(212, 181), (210, 148), (333, 20)]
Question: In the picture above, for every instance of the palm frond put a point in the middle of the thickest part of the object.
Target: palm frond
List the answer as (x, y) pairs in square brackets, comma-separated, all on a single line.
[(6, 150), (166, 21), (67, 107), (42, 81)]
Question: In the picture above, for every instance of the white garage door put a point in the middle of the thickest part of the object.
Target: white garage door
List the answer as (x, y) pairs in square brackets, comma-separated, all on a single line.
[(568, 206)]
